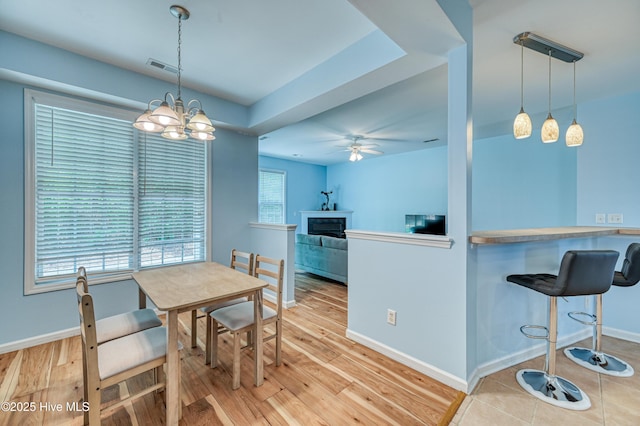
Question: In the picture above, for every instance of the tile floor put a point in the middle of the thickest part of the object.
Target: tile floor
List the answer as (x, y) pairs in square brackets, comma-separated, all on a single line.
[(615, 401)]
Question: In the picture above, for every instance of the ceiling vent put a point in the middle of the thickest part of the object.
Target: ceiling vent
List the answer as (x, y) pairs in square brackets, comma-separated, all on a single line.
[(161, 65)]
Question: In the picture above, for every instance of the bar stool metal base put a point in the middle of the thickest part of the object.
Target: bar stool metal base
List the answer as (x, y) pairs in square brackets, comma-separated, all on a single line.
[(599, 362), (553, 389)]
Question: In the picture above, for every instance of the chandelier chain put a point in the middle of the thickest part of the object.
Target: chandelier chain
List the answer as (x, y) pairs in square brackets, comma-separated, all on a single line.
[(179, 53)]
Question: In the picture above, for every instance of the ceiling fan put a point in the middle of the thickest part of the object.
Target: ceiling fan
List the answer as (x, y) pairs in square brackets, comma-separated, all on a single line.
[(357, 149)]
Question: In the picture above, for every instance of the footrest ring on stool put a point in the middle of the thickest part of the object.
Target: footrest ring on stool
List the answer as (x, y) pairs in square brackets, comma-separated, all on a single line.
[(535, 327), (575, 316)]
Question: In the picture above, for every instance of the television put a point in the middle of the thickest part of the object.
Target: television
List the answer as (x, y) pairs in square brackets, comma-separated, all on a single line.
[(434, 224)]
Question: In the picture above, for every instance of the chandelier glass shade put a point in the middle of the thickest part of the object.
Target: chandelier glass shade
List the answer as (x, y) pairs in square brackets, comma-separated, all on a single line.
[(170, 117), (522, 123)]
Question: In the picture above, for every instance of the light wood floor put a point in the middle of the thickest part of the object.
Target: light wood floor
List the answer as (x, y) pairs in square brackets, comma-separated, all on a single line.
[(325, 379)]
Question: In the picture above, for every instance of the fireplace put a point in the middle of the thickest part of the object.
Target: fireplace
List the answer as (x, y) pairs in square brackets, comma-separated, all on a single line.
[(330, 226)]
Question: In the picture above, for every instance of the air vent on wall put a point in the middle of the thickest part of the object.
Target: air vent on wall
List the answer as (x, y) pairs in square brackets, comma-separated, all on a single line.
[(162, 66)]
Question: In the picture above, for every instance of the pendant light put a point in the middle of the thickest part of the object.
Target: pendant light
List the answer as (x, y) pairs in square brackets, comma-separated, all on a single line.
[(171, 117), (550, 130), (574, 136), (522, 123)]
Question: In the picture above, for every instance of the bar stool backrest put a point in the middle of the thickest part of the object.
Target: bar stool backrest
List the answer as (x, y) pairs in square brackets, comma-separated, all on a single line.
[(586, 272), (631, 266)]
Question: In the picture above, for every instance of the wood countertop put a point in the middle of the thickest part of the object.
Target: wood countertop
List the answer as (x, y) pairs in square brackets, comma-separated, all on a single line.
[(545, 234)]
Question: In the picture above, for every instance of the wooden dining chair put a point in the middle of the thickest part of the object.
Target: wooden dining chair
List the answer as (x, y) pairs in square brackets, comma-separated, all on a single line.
[(116, 360), (238, 318), (239, 260), (120, 325)]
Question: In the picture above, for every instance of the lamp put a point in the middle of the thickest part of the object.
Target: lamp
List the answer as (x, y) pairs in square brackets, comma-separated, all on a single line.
[(574, 136), (550, 130), (522, 123), (355, 154), (170, 117)]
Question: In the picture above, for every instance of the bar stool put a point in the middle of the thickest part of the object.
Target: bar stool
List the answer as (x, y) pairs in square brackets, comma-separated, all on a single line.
[(594, 359), (582, 272)]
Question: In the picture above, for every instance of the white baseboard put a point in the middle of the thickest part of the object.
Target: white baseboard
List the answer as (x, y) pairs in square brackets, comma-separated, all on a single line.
[(285, 303), (621, 334), (39, 340), (424, 368)]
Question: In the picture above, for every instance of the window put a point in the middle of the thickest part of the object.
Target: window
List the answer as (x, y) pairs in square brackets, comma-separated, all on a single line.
[(271, 208), (102, 195)]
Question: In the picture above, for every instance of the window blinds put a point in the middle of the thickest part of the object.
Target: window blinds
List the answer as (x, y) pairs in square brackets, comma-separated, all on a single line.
[(271, 196), (111, 198), (172, 201), (84, 192)]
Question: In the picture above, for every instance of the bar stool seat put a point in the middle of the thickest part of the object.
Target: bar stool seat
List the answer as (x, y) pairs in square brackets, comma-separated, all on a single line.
[(594, 359), (582, 272)]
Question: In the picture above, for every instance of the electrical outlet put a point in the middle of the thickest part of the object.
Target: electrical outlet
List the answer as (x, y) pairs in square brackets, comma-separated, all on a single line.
[(614, 218), (600, 218), (391, 316)]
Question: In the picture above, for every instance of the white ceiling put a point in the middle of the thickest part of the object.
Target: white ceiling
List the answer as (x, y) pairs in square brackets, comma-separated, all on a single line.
[(310, 73)]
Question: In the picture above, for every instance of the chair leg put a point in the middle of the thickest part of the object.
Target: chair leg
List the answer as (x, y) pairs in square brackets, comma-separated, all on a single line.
[(93, 397), (194, 328), (545, 385), (208, 340), (213, 351), (278, 342), (594, 359), (236, 360), (85, 388)]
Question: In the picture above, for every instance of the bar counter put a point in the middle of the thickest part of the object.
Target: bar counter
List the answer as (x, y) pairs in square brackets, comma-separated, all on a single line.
[(546, 234)]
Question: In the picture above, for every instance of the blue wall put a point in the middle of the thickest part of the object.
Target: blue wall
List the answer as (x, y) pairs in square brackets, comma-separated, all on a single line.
[(381, 190), (303, 185), (608, 161), (523, 183), (234, 185)]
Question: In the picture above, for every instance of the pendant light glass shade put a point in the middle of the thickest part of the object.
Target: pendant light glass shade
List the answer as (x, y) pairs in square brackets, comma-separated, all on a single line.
[(550, 131), (522, 123), (574, 136)]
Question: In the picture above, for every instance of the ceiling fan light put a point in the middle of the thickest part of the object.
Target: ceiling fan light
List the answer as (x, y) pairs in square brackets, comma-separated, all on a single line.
[(144, 123), (353, 156), (165, 116), (522, 125), (358, 157), (550, 130), (200, 123), (574, 136)]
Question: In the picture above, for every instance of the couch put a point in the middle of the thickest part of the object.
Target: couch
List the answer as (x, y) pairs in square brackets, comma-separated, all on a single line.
[(322, 255)]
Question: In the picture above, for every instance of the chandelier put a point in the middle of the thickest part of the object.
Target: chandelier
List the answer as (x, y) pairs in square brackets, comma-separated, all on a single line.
[(170, 116)]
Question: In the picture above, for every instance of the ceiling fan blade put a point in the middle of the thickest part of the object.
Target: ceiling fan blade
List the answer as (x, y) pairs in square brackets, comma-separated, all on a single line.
[(371, 151)]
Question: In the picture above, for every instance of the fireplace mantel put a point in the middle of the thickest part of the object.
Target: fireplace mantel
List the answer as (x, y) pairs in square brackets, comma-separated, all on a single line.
[(306, 214)]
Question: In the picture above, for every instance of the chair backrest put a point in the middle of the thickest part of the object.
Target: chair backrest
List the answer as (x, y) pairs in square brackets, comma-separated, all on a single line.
[(87, 324), (631, 265), (242, 260), (585, 272), (82, 275), (275, 273)]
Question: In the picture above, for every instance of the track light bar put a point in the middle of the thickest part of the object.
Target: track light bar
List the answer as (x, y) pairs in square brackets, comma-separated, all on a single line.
[(544, 46)]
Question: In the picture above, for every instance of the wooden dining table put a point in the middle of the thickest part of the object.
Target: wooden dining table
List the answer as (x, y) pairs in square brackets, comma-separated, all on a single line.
[(183, 288)]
